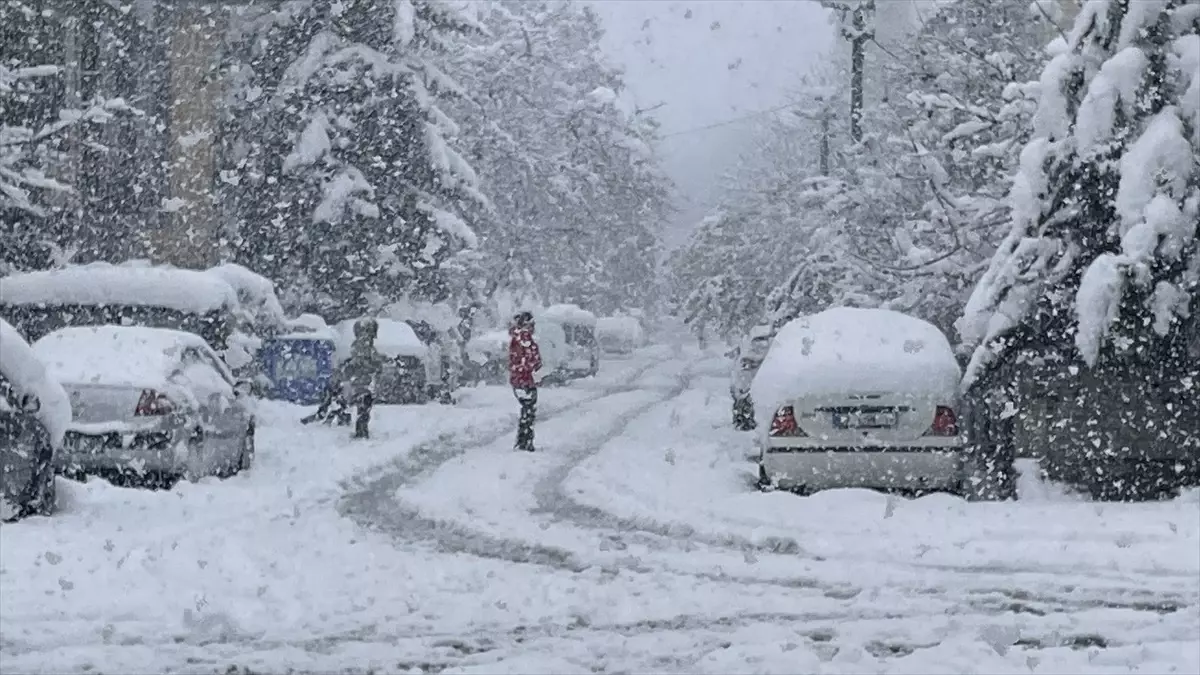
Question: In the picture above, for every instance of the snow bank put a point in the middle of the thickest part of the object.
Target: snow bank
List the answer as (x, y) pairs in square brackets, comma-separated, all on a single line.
[(847, 349), (395, 339), (482, 348), (114, 355), (22, 368), (106, 284), (308, 327), (565, 313), (438, 315)]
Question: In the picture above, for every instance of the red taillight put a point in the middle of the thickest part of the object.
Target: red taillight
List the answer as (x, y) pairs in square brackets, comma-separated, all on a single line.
[(784, 423), (945, 422), (153, 403)]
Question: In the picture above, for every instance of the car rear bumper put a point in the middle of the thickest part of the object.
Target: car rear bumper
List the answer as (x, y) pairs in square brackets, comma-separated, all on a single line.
[(917, 468), (163, 451)]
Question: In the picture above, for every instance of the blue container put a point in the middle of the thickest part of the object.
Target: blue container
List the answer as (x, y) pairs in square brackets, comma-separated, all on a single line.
[(298, 368)]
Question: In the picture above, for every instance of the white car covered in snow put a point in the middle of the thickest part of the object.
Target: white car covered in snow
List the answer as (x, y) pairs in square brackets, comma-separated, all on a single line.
[(860, 398), (132, 293), (34, 414), (580, 349), (619, 334), (148, 403), (412, 366)]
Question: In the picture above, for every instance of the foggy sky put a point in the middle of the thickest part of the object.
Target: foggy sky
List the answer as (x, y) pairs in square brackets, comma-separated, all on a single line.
[(729, 59)]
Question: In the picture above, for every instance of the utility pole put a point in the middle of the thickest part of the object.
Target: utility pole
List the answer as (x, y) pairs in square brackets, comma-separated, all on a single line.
[(823, 113), (860, 31), (859, 36)]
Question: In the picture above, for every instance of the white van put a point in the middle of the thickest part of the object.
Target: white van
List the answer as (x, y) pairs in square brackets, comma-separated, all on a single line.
[(859, 398), (581, 357)]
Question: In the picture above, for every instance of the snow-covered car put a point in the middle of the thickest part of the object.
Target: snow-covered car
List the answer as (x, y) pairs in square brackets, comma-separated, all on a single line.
[(259, 316), (150, 403), (860, 398), (619, 334), (134, 293), (411, 367), (488, 357), (747, 359), (34, 414), (581, 349)]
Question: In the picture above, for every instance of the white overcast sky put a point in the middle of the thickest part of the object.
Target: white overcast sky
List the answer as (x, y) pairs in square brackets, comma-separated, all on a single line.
[(730, 58)]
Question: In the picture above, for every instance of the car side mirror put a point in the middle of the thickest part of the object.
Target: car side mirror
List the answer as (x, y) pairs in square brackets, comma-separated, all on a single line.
[(243, 389), (30, 403)]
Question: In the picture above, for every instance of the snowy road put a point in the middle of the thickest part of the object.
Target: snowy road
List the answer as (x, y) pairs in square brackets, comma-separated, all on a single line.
[(633, 542)]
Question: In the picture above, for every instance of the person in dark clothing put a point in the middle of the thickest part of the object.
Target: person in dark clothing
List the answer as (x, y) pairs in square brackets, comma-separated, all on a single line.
[(524, 359), (353, 383)]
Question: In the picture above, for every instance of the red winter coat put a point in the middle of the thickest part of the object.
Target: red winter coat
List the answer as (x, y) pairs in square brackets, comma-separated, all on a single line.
[(523, 358)]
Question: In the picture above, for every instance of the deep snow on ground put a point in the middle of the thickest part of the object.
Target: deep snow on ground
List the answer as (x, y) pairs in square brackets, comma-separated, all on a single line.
[(633, 541)]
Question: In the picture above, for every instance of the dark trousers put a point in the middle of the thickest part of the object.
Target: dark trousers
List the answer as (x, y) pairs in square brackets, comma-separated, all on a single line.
[(527, 397), (363, 419)]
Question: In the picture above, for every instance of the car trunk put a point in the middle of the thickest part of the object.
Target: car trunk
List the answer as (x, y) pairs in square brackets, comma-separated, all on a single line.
[(853, 418), (100, 403)]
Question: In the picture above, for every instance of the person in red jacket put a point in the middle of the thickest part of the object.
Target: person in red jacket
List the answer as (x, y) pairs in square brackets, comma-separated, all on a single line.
[(524, 359)]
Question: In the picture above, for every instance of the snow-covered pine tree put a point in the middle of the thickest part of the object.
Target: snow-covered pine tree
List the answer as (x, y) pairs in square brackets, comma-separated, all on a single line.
[(1083, 320), (1102, 252), (572, 176), (341, 177), (953, 123), (37, 121)]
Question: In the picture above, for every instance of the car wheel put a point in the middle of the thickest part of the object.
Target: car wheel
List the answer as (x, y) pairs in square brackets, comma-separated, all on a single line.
[(764, 484), (246, 456)]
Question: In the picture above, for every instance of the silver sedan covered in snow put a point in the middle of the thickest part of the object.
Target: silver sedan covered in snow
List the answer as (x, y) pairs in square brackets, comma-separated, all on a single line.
[(148, 403)]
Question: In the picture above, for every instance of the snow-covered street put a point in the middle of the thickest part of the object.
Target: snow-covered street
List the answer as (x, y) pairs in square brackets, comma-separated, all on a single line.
[(634, 541)]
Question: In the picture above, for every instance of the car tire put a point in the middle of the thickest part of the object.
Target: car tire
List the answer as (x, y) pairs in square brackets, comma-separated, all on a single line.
[(764, 483)]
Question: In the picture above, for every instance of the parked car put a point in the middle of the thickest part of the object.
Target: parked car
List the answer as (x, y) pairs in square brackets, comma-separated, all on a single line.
[(488, 357), (581, 349), (861, 398), (619, 334), (151, 404), (747, 358), (298, 366), (38, 303), (411, 367), (34, 414)]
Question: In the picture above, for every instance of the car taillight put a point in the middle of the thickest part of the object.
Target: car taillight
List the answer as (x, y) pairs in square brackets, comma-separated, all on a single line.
[(945, 422), (153, 403), (784, 423)]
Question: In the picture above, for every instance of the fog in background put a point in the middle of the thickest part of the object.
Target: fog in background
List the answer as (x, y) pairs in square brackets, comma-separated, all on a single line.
[(709, 63)]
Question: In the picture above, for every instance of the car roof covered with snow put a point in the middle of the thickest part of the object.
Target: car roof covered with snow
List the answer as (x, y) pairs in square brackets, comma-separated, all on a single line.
[(106, 284), (566, 313), (115, 355), (395, 338), (851, 350), (20, 365), (255, 293)]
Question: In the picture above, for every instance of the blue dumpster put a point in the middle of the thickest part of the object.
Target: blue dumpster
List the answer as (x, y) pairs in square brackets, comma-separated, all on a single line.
[(297, 367)]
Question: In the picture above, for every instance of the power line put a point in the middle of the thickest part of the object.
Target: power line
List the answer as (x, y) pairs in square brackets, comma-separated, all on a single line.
[(733, 120)]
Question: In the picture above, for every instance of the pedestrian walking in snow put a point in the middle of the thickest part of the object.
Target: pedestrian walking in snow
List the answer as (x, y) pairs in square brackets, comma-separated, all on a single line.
[(524, 359), (360, 374)]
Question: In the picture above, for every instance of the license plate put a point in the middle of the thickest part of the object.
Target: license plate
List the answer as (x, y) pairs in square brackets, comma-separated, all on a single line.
[(864, 420), (85, 445)]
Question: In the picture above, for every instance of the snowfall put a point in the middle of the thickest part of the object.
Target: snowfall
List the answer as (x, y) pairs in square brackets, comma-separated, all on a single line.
[(633, 541)]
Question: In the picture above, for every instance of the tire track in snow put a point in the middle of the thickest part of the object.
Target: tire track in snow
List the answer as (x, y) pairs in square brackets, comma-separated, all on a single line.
[(371, 501), (553, 500)]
